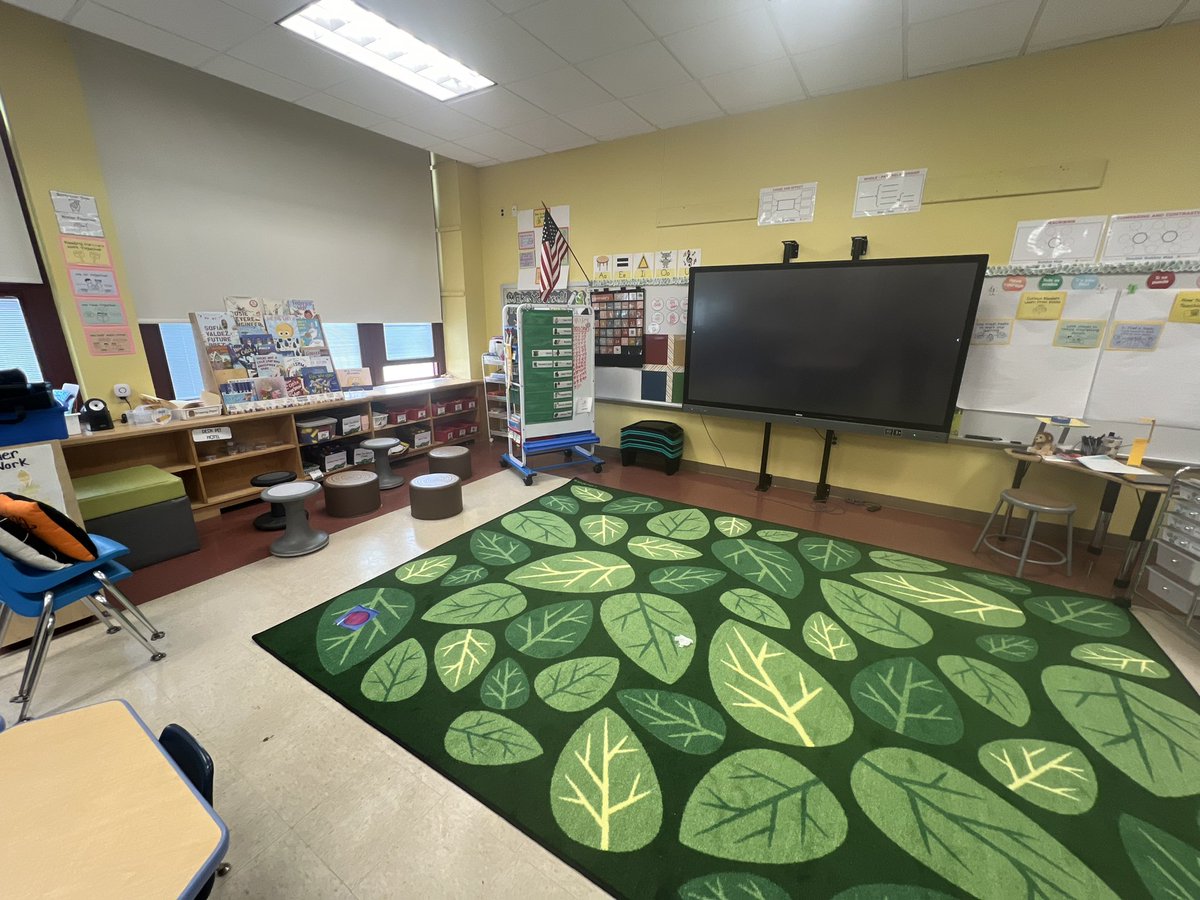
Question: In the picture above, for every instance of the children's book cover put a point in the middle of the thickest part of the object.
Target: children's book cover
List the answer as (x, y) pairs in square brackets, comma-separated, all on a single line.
[(247, 312), (294, 384), (309, 334), (220, 356), (216, 328), (238, 390), (320, 381), (282, 330), (302, 309), (269, 388), (268, 364)]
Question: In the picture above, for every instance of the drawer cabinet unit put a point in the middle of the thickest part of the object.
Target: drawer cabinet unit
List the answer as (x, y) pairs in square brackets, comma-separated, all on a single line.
[(1170, 572)]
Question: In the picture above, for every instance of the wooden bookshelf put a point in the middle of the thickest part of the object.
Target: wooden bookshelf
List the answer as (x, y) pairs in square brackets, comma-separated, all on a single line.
[(263, 440)]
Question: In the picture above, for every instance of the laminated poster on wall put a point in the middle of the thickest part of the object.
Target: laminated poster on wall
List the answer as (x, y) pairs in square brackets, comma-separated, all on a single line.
[(889, 193), (1153, 235), (787, 204), (91, 282), (1057, 240), (101, 312), (77, 214)]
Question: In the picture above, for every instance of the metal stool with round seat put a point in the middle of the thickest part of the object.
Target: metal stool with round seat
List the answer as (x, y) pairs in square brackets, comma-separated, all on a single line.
[(350, 494), (1035, 505), (435, 496), (382, 447), (273, 520), (455, 460), (299, 537)]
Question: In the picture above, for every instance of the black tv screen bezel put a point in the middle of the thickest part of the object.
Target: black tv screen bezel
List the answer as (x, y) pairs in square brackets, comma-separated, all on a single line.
[(923, 431)]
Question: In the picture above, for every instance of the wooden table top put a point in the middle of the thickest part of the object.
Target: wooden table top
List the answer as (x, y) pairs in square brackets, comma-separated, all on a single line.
[(92, 807), (1072, 465)]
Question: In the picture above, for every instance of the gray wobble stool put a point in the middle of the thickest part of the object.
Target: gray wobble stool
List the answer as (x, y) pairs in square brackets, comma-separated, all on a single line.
[(272, 520), (1034, 505), (299, 537), (435, 496), (454, 460), (381, 447)]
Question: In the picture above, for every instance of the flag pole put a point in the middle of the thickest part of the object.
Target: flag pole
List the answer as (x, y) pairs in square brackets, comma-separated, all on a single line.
[(569, 250)]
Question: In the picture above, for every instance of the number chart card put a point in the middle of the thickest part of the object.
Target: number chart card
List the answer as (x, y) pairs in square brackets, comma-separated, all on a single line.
[(620, 328)]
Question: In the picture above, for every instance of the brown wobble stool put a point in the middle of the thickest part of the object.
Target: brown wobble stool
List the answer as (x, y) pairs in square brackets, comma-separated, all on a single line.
[(455, 460), (350, 494), (435, 496)]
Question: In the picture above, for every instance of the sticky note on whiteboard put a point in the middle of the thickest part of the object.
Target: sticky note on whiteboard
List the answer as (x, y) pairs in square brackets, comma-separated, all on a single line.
[(1041, 304)]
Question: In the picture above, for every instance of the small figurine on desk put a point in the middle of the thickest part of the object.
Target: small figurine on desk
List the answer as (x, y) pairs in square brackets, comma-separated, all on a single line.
[(1043, 444)]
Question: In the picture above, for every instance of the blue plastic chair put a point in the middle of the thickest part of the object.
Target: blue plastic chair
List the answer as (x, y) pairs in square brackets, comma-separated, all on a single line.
[(36, 593), (195, 763)]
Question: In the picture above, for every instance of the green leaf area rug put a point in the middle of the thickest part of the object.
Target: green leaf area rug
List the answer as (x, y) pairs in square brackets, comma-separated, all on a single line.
[(684, 703)]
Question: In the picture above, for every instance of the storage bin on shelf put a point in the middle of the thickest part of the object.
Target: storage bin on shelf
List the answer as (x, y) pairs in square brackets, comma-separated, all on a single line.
[(449, 405), (407, 415), (454, 430), (316, 429), (354, 424), (416, 436)]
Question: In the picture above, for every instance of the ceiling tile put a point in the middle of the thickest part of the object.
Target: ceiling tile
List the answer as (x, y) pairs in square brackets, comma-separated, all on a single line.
[(462, 154), (875, 59), (607, 121), (253, 77), (726, 45), (393, 100), (292, 57), (1188, 13), (978, 35), (583, 29), (635, 70), (55, 9), (809, 24), (1073, 21), (549, 134), (412, 136), (558, 91), (268, 10), (669, 16), (756, 87), (511, 6), (211, 24), (340, 109), (502, 50), (497, 106), (499, 146), (103, 21), (924, 10), (676, 105), (433, 23)]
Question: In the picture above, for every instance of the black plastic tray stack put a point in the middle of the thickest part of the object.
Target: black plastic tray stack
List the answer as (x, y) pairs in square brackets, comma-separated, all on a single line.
[(662, 438)]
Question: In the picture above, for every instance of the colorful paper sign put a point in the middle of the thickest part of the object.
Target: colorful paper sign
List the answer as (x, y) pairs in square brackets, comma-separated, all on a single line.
[(1044, 305), (101, 312), (1079, 334), (1135, 335), (86, 282), (83, 251), (1186, 308), (109, 341), (992, 331)]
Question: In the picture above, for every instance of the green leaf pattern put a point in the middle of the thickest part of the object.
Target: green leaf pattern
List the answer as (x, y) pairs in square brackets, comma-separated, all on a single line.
[(826, 637), (755, 606)]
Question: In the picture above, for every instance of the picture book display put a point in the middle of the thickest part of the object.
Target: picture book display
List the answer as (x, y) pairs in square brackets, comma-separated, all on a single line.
[(263, 353)]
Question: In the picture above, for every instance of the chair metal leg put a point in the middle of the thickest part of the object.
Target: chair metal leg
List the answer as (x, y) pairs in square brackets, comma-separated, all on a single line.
[(155, 654), (105, 619), (37, 656), (987, 525), (1070, 541), (1030, 525), (5, 618), (130, 606)]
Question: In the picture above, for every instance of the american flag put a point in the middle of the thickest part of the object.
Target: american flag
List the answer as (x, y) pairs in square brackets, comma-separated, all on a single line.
[(554, 248)]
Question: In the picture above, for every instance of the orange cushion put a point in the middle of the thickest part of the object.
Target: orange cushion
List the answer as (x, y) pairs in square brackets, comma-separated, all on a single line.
[(50, 527)]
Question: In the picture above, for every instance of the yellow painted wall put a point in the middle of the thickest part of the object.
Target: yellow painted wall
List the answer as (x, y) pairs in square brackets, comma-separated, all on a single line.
[(1125, 100), (52, 141), (456, 202)]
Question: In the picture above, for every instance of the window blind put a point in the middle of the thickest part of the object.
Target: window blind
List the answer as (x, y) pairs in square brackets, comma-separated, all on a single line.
[(179, 345), (408, 341), (16, 345), (342, 338)]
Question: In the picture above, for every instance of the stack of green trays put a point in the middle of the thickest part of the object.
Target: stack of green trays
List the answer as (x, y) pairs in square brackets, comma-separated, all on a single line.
[(663, 438)]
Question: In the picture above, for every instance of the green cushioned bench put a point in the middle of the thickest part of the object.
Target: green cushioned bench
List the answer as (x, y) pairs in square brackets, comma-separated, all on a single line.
[(142, 507)]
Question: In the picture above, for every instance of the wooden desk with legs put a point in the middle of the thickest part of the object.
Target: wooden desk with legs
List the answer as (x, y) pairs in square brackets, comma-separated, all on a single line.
[(72, 827), (1147, 506)]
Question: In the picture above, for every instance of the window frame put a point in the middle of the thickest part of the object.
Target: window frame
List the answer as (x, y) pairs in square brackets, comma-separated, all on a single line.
[(374, 352)]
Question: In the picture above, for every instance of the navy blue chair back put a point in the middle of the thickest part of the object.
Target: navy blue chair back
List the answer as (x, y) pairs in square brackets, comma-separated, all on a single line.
[(195, 763)]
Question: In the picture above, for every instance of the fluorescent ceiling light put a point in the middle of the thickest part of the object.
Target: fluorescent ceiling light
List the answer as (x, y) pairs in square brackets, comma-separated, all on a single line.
[(346, 28)]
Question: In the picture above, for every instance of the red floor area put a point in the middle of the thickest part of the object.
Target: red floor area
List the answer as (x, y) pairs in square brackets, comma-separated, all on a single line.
[(230, 540)]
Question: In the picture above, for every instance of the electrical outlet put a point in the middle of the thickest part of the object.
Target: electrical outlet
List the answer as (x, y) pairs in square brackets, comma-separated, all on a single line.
[(122, 391)]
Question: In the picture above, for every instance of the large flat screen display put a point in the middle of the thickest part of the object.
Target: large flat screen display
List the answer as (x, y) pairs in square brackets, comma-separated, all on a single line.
[(873, 345)]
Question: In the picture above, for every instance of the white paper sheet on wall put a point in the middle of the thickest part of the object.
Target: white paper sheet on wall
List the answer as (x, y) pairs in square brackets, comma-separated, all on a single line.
[(1029, 374), (1164, 382)]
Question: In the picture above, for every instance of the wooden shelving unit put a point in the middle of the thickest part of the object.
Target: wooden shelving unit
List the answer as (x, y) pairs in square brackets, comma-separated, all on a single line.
[(495, 396), (223, 479)]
